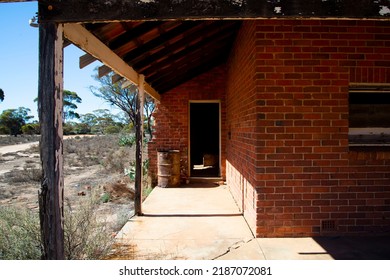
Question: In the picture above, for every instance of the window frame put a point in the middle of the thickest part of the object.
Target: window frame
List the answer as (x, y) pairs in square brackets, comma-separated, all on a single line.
[(368, 136)]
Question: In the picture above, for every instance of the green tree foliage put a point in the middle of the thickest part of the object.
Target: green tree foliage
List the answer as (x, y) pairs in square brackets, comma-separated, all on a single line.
[(105, 122), (31, 128), (89, 119), (69, 110), (1, 95), (12, 120), (98, 122), (124, 99), (70, 101)]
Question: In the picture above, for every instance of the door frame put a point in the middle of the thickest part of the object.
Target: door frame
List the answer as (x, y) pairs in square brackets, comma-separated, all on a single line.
[(206, 101)]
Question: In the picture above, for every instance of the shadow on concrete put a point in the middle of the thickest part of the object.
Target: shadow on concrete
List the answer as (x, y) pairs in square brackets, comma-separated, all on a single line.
[(193, 215), (355, 248)]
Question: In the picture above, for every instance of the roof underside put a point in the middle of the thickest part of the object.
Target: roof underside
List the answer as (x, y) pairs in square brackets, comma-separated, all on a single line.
[(169, 53)]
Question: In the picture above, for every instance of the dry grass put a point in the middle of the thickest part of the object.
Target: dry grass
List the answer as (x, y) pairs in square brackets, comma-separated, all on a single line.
[(103, 150), (129, 251), (19, 234), (79, 152), (6, 140), (86, 237), (94, 168), (29, 173)]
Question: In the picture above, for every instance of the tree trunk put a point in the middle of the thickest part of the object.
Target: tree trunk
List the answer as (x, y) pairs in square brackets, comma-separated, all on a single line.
[(50, 91)]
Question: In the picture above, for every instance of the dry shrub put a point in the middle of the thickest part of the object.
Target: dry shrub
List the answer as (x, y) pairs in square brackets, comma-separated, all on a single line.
[(118, 160), (29, 173), (83, 151), (33, 172), (122, 251), (119, 191), (85, 237), (33, 149), (20, 139), (104, 150), (19, 234)]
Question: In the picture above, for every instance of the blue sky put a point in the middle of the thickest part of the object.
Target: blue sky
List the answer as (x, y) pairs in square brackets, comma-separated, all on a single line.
[(19, 63)]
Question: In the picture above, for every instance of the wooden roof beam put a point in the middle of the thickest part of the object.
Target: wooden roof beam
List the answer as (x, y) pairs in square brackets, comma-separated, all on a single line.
[(201, 45), (103, 71), (116, 78), (85, 60), (135, 32), (207, 30), (197, 70), (197, 64), (85, 40), (161, 40), (122, 10)]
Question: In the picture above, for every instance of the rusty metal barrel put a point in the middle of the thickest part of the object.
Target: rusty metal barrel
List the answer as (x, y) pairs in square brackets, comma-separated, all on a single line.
[(168, 168)]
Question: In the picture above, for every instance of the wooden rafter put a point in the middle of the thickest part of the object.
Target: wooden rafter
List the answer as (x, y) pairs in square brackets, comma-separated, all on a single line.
[(159, 41), (197, 70), (116, 78), (103, 71), (160, 48), (169, 80), (85, 60), (135, 32), (205, 31), (143, 38), (84, 39), (195, 50)]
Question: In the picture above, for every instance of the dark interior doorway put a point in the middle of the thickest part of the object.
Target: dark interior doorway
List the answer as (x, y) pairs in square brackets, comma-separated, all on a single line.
[(204, 140)]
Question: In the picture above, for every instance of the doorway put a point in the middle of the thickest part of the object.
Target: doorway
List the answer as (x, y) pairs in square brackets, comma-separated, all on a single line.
[(204, 139)]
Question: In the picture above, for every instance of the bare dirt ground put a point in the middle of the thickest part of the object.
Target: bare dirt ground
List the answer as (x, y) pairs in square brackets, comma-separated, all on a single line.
[(93, 166)]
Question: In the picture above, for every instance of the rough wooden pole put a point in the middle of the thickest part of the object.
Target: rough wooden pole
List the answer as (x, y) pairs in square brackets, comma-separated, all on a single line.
[(50, 90), (139, 142)]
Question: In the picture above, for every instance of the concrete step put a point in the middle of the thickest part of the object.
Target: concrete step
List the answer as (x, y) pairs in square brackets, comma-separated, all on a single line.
[(206, 180)]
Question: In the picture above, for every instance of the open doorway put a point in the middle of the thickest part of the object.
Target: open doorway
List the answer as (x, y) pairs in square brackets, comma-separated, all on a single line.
[(205, 139)]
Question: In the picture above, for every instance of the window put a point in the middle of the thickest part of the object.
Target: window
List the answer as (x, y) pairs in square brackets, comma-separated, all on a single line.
[(369, 115)]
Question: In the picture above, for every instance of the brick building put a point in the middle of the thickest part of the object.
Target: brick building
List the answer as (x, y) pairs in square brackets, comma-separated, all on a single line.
[(286, 100), (286, 122)]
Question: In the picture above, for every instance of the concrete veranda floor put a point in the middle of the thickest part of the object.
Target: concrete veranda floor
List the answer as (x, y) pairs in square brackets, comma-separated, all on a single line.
[(203, 222)]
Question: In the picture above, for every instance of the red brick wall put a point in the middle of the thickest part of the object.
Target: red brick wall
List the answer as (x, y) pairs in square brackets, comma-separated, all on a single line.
[(171, 117), (241, 121), (288, 162), (306, 173)]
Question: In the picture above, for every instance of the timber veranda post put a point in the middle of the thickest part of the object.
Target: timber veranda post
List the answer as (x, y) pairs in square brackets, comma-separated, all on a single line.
[(50, 91), (139, 146)]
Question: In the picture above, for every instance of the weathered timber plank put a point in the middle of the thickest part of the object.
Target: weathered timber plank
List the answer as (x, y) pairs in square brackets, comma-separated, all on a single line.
[(116, 78), (103, 71), (126, 84), (120, 10), (85, 60), (50, 90), (139, 141)]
